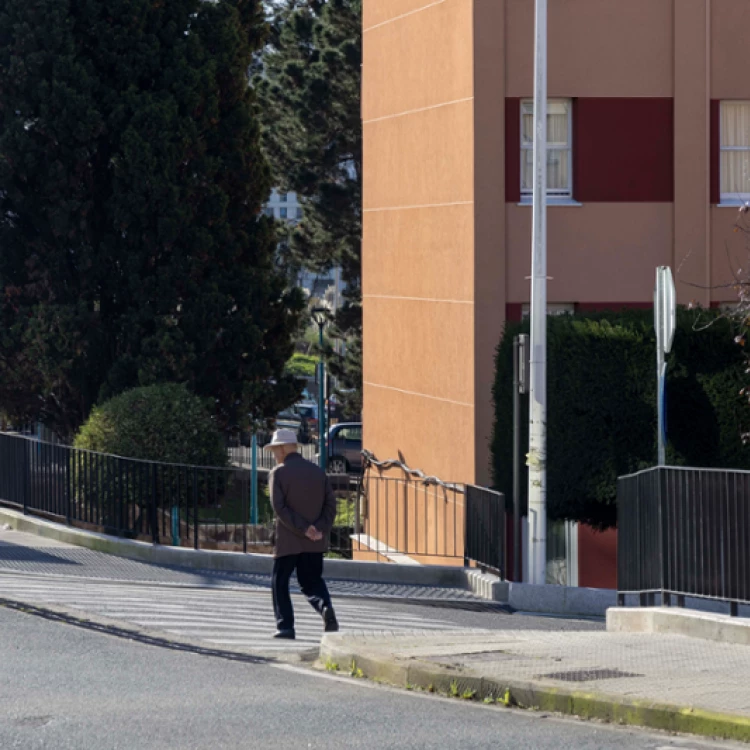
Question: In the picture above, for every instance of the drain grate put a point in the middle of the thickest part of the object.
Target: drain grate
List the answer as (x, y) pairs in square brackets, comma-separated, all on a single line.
[(588, 675)]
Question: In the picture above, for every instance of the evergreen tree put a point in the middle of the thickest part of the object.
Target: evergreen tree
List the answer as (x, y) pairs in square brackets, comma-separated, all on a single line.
[(308, 86), (132, 246)]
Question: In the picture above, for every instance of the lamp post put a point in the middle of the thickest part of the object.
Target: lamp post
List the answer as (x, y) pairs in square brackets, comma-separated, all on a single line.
[(537, 461), (320, 317)]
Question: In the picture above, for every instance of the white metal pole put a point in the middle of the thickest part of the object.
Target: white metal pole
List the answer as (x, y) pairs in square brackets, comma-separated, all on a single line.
[(538, 372)]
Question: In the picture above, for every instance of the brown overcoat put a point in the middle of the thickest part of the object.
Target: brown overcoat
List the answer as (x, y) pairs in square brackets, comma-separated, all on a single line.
[(301, 497)]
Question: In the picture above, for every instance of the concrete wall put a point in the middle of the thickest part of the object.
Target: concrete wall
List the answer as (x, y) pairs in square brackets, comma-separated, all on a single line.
[(418, 269)]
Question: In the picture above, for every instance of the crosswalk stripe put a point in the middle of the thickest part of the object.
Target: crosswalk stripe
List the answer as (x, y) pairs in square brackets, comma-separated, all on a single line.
[(221, 617)]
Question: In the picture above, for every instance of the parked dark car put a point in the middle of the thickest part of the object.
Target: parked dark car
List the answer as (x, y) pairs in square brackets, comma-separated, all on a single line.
[(345, 448)]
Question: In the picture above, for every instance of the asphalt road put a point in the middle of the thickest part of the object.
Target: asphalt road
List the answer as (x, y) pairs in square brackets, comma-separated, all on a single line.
[(63, 687)]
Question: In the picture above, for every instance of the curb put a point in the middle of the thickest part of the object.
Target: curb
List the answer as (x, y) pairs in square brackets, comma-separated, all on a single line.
[(689, 623), (343, 650), (235, 562)]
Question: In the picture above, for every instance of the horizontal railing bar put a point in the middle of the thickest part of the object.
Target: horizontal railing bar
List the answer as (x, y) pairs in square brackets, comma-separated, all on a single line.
[(33, 440), (694, 469)]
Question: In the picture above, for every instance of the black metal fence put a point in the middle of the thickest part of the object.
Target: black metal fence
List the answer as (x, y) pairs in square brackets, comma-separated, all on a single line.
[(426, 519), (200, 507), (485, 529), (378, 517), (684, 532)]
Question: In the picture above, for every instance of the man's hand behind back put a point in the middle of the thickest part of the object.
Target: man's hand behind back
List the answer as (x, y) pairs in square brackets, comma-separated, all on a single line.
[(313, 534)]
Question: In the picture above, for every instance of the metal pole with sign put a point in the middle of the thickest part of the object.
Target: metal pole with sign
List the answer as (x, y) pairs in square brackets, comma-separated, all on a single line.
[(665, 323), (520, 387)]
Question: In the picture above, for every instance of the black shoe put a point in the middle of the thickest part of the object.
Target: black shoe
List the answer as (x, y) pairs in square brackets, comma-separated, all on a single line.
[(286, 634), (330, 623)]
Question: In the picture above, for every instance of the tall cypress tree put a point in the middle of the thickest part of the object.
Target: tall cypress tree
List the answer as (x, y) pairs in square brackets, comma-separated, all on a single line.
[(309, 91), (132, 245)]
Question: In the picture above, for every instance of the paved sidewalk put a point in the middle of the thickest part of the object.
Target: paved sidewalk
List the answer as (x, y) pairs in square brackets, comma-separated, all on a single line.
[(28, 553), (662, 681)]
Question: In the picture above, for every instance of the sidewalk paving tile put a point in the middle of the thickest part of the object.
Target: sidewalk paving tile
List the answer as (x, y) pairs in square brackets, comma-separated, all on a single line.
[(642, 666)]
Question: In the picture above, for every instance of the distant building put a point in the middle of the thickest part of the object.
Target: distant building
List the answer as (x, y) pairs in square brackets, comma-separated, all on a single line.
[(284, 206), (327, 287)]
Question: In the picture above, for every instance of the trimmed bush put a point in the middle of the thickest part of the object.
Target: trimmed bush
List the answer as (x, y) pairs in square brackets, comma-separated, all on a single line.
[(302, 365), (160, 423), (602, 406)]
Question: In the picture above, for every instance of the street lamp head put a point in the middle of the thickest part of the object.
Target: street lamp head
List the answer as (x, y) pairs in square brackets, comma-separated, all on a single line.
[(320, 316)]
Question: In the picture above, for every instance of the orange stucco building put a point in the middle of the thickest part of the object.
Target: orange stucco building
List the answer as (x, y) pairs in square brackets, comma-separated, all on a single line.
[(650, 150)]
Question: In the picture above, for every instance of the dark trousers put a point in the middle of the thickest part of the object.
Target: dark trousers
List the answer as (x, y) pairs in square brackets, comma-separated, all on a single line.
[(309, 566)]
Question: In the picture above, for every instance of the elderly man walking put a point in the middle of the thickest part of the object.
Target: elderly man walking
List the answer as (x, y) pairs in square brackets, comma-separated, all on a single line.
[(305, 507)]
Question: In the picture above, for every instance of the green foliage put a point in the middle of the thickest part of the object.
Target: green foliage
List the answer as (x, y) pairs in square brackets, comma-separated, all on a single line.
[(134, 250), (308, 86), (602, 406), (163, 423), (302, 365), (331, 666)]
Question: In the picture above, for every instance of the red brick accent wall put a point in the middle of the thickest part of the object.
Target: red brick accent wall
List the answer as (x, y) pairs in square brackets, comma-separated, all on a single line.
[(597, 558), (624, 150)]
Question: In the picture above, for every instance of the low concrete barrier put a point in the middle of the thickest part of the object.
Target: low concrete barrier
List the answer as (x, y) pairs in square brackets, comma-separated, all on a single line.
[(706, 625)]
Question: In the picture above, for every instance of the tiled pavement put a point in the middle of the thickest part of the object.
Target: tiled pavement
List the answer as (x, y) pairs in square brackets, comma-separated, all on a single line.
[(658, 668)]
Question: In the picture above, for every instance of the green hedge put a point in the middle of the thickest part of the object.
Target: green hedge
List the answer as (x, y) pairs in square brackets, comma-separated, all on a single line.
[(164, 423), (302, 365), (602, 406)]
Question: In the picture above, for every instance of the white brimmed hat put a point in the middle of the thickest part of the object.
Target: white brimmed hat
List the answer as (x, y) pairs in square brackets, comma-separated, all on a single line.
[(282, 437)]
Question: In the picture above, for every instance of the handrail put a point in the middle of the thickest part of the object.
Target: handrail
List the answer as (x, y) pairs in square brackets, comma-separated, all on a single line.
[(371, 460)]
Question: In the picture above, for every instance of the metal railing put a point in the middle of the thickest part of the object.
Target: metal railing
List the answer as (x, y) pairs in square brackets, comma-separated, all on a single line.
[(242, 456), (378, 517), (485, 529), (195, 506), (426, 519), (684, 532)]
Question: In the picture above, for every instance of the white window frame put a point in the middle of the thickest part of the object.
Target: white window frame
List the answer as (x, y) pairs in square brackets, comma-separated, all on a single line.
[(730, 199), (562, 196)]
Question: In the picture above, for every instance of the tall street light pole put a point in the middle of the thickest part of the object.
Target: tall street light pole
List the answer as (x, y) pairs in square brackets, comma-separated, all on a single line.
[(537, 459), (320, 316)]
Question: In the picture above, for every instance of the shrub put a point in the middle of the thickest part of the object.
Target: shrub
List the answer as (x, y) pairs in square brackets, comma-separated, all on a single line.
[(601, 420), (160, 423), (302, 365)]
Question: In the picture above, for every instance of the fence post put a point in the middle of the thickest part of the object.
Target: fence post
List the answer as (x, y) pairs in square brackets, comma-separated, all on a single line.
[(152, 506), (196, 526), (175, 525), (26, 476), (468, 526), (663, 536), (254, 481), (68, 485)]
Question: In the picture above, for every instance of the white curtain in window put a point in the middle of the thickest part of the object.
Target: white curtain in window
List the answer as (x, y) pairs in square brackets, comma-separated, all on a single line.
[(558, 147), (557, 170), (735, 147)]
